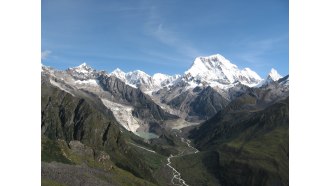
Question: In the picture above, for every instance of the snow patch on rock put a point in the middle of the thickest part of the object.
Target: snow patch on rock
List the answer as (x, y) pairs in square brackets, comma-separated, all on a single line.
[(124, 115), (92, 82), (59, 86)]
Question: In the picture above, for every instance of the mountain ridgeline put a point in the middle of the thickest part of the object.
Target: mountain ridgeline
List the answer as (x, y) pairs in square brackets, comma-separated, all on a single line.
[(143, 104), (213, 125)]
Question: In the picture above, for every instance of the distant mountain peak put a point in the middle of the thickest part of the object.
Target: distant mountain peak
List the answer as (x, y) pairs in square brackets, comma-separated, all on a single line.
[(83, 65), (119, 74), (139, 73), (218, 59), (160, 76), (164, 79), (274, 75), (211, 61), (83, 68), (82, 72), (118, 70), (216, 69)]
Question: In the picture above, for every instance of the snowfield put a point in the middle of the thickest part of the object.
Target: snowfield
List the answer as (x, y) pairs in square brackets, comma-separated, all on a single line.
[(123, 114)]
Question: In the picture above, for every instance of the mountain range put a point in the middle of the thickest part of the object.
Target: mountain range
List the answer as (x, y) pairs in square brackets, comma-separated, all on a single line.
[(90, 115)]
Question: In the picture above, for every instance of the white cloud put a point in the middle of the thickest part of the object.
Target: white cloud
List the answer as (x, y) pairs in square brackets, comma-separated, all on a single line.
[(45, 54), (253, 51), (170, 38), (165, 35)]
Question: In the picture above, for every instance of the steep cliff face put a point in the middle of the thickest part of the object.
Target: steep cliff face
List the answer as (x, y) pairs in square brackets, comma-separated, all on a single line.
[(86, 120), (144, 107), (74, 118)]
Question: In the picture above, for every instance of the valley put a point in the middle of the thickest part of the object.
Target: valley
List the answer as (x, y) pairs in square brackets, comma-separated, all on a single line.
[(213, 125)]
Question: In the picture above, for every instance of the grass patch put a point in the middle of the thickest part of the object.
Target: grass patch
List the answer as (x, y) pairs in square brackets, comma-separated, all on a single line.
[(267, 151), (48, 182), (122, 177), (198, 169), (153, 160), (52, 152)]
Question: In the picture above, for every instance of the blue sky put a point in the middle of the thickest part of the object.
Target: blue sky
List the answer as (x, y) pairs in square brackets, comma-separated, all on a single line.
[(165, 36)]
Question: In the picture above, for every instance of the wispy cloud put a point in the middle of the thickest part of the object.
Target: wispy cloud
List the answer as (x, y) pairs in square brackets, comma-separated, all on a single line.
[(45, 54), (168, 37), (165, 58), (155, 27), (254, 51)]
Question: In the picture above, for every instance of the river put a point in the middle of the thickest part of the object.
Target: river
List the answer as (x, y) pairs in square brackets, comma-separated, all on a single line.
[(176, 179)]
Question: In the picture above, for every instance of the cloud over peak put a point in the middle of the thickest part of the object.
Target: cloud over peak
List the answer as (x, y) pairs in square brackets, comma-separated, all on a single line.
[(45, 54)]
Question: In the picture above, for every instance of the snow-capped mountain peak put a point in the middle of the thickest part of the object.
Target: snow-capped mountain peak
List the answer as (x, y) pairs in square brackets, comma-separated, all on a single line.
[(212, 67), (250, 77), (118, 71), (142, 80), (83, 65), (164, 79), (139, 79), (160, 77), (137, 75), (82, 72), (214, 71), (217, 70), (83, 68), (274, 75), (249, 72), (221, 59), (119, 74)]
